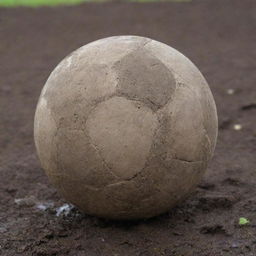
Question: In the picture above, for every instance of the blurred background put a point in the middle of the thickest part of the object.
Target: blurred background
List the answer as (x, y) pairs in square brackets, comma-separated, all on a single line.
[(37, 3)]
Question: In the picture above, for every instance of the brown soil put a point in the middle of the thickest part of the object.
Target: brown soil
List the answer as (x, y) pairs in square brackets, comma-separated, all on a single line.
[(219, 36)]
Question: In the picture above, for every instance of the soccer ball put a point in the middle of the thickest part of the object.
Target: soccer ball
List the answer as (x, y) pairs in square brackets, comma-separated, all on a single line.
[(125, 127)]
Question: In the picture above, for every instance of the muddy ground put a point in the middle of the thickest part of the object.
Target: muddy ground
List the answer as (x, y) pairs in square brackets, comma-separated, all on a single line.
[(219, 37)]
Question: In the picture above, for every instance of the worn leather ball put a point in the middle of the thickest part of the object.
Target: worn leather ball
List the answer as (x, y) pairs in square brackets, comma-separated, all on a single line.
[(125, 127)]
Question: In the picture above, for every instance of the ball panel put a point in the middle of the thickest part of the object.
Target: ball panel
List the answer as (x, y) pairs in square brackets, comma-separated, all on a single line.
[(186, 138), (143, 77), (122, 130)]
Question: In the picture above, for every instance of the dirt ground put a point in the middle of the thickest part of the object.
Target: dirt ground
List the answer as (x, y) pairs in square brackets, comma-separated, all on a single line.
[(219, 37)]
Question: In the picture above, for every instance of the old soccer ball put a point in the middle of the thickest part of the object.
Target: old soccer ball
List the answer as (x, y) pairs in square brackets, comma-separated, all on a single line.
[(125, 127)]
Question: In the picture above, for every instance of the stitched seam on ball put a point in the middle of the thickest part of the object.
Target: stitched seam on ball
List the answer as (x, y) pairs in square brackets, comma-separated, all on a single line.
[(99, 154), (187, 161)]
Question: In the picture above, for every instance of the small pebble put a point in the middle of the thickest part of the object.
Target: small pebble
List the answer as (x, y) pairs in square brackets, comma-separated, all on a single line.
[(234, 245), (230, 91), (237, 127)]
